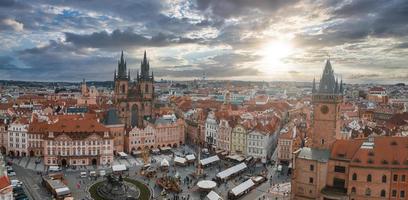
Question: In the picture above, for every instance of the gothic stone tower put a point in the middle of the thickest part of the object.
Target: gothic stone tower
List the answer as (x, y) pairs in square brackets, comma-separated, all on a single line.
[(134, 99), (121, 81), (326, 100)]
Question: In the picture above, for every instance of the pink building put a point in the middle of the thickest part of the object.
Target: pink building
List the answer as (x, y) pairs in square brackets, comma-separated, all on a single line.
[(224, 135), (167, 131), (78, 141)]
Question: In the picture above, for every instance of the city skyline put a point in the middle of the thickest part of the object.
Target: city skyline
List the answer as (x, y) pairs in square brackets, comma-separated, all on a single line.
[(238, 40)]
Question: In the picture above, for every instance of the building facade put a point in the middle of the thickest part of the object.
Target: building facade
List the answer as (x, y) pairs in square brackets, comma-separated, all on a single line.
[(18, 138), (165, 132), (134, 100), (224, 136), (77, 141), (310, 164), (211, 129), (239, 140)]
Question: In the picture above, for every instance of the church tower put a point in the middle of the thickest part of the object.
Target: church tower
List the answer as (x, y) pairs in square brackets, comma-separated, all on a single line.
[(326, 101), (121, 85), (134, 99)]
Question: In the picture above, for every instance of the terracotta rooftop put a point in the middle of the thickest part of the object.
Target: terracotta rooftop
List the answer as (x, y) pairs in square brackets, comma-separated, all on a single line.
[(384, 152)]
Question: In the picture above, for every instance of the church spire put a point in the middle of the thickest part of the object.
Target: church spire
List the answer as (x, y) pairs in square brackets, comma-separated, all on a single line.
[(122, 67), (341, 86), (144, 68), (327, 82), (314, 85)]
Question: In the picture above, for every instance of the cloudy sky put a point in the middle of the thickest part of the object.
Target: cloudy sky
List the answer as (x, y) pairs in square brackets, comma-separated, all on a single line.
[(269, 40)]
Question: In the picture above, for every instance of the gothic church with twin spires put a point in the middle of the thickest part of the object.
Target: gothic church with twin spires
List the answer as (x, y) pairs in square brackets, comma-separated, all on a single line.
[(134, 99)]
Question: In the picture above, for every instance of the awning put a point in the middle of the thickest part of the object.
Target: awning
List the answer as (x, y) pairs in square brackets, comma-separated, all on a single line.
[(242, 187), (236, 158), (136, 152), (206, 184), (118, 168), (122, 154), (62, 191), (165, 148), (190, 157), (179, 160), (209, 160), (164, 163), (232, 170), (213, 196)]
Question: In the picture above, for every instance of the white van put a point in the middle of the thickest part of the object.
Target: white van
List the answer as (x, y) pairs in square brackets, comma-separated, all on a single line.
[(83, 175), (92, 173), (102, 173), (54, 169)]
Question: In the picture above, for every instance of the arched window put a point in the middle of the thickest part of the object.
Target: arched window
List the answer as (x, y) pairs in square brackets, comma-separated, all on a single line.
[(123, 88), (353, 190), (369, 178), (384, 179), (354, 177), (368, 192), (382, 193), (147, 88)]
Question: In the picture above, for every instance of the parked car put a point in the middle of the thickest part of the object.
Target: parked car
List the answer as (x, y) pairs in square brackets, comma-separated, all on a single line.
[(83, 175), (11, 173), (16, 183), (92, 173), (102, 173)]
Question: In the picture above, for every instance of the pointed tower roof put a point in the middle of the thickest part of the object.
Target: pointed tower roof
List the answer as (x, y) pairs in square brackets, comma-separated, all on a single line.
[(122, 67), (327, 82), (314, 85)]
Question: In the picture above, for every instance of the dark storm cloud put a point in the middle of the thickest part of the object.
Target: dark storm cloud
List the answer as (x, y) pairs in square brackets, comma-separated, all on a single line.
[(6, 63), (228, 8), (210, 70), (122, 39), (403, 45), (65, 62), (353, 22)]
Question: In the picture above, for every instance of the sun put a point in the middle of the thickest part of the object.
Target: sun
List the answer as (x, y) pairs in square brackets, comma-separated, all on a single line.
[(272, 54)]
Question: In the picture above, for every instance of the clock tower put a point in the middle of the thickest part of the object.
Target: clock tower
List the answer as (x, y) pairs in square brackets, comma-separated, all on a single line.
[(326, 114)]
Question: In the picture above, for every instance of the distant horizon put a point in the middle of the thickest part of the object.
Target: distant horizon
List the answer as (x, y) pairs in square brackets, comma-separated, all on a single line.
[(226, 39), (211, 80)]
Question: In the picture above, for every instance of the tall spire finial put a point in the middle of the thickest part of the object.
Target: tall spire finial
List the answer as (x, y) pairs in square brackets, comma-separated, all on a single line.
[(314, 85)]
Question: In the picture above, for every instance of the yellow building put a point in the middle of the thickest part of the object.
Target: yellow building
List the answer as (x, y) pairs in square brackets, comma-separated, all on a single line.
[(239, 140)]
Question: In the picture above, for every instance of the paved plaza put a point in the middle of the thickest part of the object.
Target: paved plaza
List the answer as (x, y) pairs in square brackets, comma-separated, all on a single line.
[(278, 187)]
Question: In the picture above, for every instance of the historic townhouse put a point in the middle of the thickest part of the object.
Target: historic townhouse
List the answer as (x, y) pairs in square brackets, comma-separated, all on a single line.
[(239, 140), (167, 131), (211, 129), (224, 135), (17, 137), (78, 141)]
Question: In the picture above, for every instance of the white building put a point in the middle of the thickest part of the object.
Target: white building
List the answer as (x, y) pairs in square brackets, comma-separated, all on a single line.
[(17, 138), (261, 143), (211, 129)]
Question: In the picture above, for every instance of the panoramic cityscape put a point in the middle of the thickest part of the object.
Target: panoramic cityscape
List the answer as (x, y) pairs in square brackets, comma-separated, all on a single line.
[(203, 99)]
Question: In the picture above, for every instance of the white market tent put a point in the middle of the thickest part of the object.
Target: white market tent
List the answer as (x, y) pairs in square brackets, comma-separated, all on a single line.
[(165, 148), (209, 160), (239, 189), (164, 163), (206, 184), (213, 196), (122, 154), (62, 191), (232, 170), (179, 160), (238, 158), (190, 157), (118, 168), (155, 150)]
